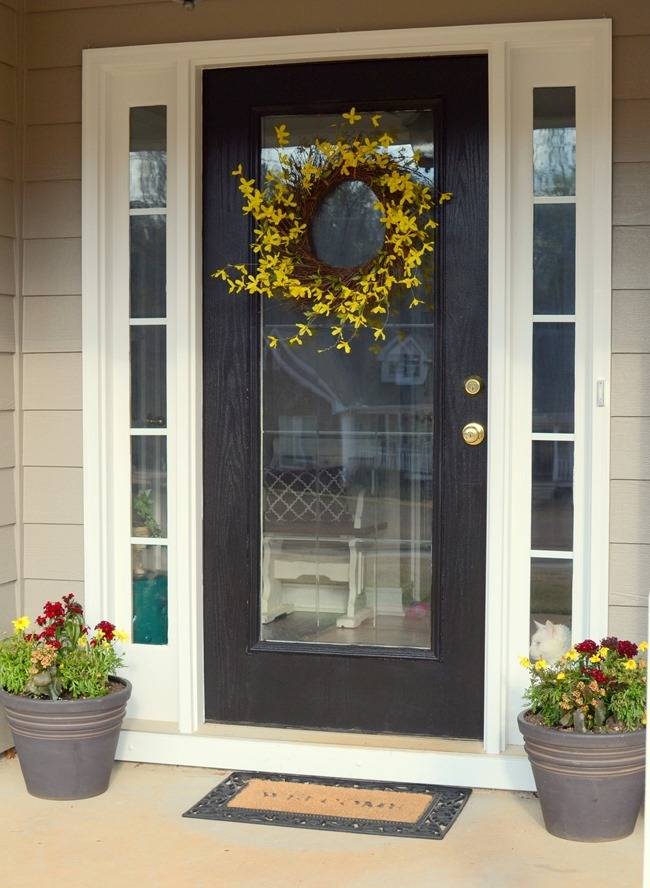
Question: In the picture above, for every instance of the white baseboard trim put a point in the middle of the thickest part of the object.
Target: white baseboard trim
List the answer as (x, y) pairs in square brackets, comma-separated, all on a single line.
[(479, 770)]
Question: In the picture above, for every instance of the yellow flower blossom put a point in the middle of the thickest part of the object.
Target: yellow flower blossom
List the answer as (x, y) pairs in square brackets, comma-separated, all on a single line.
[(525, 662), (345, 346), (352, 116), (282, 134), (643, 646), (376, 119), (386, 140), (631, 665), (238, 170), (571, 655), (273, 341), (540, 664), (99, 634), (82, 641), (560, 676), (20, 624), (447, 195), (121, 635), (595, 658), (602, 653)]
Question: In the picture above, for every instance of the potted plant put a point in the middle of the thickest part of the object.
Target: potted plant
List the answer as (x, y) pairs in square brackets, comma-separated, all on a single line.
[(63, 702), (584, 732)]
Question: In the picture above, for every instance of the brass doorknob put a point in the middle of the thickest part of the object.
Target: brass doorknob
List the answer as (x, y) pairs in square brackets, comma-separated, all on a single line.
[(473, 433)]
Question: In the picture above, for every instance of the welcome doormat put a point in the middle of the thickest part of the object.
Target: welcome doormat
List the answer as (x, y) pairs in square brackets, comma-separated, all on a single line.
[(392, 809)]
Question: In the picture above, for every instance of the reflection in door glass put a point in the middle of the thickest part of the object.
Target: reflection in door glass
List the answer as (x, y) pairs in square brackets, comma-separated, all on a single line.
[(347, 445)]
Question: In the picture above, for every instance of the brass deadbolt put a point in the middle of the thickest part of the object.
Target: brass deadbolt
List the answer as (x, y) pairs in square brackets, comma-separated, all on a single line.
[(473, 433), (473, 385)]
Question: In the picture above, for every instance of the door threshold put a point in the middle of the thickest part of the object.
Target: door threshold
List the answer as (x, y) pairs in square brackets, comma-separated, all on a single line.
[(340, 738)]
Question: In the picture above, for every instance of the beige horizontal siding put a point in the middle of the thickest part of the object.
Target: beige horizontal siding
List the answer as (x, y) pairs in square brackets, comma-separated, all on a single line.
[(631, 385), (8, 563), (631, 203), (52, 438), (631, 137), (629, 575), (7, 501), (630, 512), (7, 440), (52, 382), (54, 96), (63, 218), (52, 267), (629, 622), (7, 269), (52, 324), (7, 150), (631, 321), (37, 592), (7, 392), (53, 151), (7, 208), (53, 552), (7, 331), (8, 36), (7, 93), (630, 452), (52, 495)]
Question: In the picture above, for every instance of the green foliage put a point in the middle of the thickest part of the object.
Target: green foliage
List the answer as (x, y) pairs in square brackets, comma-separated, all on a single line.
[(15, 663), (143, 513), (84, 672), (593, 687)]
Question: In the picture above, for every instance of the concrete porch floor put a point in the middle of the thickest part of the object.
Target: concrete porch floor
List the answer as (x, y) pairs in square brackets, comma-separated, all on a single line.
[(134, 836)]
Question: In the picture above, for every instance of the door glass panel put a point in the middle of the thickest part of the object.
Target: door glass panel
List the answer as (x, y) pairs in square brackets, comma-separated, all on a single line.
[(149, 592), (348, 493), (553, 377), (550, 591), (148, 271), (148, 156), (148, 377), (554, 259), (554, 140)]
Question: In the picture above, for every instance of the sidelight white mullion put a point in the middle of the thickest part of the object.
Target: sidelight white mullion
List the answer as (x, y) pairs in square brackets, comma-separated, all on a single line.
[(148, 211), (554, 319), (148, 322), (137, 431), (551, 553), (553, 436), (554, 199), (149, 541)]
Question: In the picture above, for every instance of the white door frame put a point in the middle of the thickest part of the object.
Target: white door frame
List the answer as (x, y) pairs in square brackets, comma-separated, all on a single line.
[(541, 54)]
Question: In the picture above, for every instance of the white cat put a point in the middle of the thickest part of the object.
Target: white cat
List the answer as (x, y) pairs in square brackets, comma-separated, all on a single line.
[(550, 641)]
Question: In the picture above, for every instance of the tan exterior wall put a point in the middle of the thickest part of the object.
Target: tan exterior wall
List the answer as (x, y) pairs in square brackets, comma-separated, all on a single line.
[(56, 31), (9, 312)]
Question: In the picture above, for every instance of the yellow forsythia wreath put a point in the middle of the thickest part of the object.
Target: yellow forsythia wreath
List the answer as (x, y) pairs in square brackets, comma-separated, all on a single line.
[(352, 299)]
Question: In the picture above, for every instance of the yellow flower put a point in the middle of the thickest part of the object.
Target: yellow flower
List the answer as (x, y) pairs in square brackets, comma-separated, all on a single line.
[(631, 665), (540, 664), (643, 646), (446, 195), (99, 634), (282, 134), (525, 662), (602, 653), (121, 635), (560, 676), (82, 641), (273, 341), (352, 116), (644, 720), (344, 345), (237, 171), (386, 140), (20, 624), (376, 119), (595, 659), (571, 655)]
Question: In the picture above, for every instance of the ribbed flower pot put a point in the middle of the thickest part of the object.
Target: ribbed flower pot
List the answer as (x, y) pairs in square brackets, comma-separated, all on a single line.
[(66, 748), (590, 786)]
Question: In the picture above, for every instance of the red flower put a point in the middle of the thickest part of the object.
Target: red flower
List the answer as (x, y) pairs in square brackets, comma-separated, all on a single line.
[(627, 649), (597, 674), (587, 647), (53, 643), (52, 611), (610, 642), (41, 621), (107, 628)]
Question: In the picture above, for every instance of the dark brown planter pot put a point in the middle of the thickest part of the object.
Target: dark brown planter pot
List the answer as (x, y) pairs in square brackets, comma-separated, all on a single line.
[(66, 748), (590, 785)]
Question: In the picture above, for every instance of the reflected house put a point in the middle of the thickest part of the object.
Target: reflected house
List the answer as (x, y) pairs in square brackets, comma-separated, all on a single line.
[(348, 485)]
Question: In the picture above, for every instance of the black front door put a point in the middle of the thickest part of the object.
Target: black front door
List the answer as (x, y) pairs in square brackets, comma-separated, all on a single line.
[(344, 514)]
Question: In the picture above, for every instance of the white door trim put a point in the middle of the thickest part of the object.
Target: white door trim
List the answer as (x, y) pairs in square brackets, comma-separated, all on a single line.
[(122, 74)]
